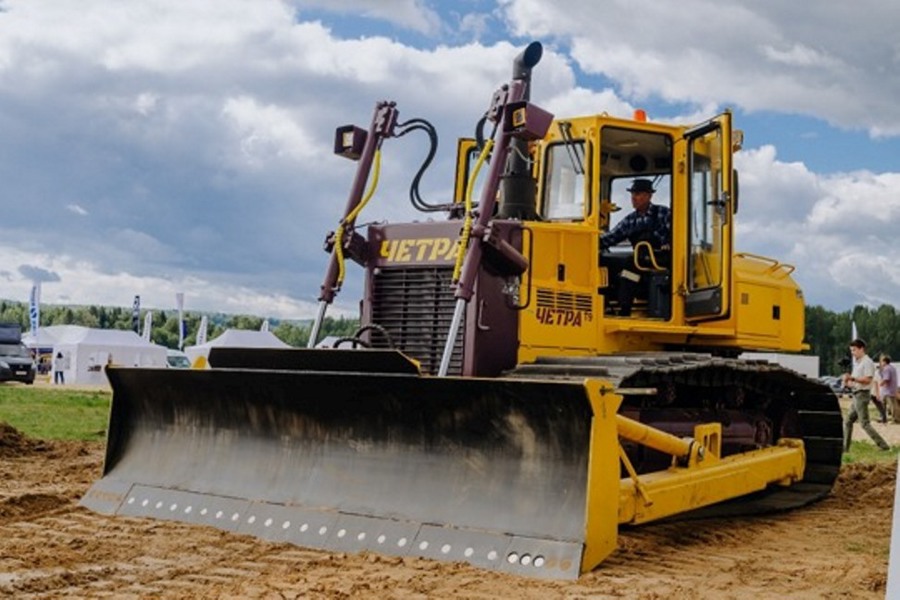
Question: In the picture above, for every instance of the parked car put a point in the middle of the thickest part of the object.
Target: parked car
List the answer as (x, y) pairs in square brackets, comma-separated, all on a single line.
[(177, 359), (833, 382), (16, 361)]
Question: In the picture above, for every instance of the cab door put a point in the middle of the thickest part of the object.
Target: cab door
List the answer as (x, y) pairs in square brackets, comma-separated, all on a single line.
[(710, 224)]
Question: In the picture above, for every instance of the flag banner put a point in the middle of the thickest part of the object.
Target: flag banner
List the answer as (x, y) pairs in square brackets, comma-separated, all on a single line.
[(34, 308), (179, 302), (201, 332), (853, 334), (148, 324), (136, 314), (265, 325)]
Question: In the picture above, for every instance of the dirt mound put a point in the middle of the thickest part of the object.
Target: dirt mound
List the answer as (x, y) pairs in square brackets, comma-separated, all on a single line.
[(14, 443), (872, 484), (29, 505)]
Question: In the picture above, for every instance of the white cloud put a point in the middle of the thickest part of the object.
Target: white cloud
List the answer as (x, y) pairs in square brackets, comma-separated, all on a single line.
[(799, 55), (837, 62), (197, 135), (78, 281), (837, 229), (146, 103), (78, 210), (266, 132), (475, 24)]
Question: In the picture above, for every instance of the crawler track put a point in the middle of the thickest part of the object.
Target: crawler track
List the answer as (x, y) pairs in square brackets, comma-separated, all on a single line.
[(757, 402)]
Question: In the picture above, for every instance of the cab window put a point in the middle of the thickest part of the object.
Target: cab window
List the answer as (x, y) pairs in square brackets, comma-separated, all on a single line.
[(564, 182), (629, 154)]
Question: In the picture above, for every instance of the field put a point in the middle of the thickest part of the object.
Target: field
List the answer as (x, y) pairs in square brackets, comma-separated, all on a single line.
[(51, 449)]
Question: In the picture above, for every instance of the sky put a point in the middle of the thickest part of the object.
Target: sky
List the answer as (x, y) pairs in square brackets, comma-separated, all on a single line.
[(185, 146)]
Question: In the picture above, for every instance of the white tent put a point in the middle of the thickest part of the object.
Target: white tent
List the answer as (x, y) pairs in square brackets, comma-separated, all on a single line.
[(45, 338), (86, 351), (236, 338)]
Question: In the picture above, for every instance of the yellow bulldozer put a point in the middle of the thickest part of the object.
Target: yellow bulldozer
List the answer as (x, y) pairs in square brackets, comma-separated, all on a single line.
[(497, 405)]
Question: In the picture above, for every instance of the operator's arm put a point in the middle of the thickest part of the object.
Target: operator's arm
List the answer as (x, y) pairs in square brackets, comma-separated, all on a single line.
[(617, 233)]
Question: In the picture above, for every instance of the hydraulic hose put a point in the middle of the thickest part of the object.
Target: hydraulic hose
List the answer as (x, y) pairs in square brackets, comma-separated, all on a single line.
[(467, 222), (351, 217)]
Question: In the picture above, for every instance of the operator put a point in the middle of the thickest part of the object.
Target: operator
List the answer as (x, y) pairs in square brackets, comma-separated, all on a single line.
[(648, 222), (859, 380)]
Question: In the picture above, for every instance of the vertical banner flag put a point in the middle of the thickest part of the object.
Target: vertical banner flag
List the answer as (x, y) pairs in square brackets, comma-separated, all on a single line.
[(201, 332), (34, 308), (265, 325), (853, 334), (136, 314), (179, 303), (148, 323)]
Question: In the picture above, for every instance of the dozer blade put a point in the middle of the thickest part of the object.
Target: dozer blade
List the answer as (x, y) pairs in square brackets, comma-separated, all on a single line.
[(326, 452)]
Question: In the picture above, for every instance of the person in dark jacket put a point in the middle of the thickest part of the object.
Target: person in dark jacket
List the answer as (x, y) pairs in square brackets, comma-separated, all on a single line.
[(648, 222)]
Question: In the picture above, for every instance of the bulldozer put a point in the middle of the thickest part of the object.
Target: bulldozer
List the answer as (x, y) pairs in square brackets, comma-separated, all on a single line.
[(497, 407)]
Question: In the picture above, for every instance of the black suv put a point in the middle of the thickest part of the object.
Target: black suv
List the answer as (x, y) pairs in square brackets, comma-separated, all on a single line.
[(16, 363)]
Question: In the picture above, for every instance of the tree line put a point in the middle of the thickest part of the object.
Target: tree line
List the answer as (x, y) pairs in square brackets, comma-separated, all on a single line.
[(164, 328), (827, 332)]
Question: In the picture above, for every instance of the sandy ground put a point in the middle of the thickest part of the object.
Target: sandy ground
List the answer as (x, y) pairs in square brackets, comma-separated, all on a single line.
[(51, 548)]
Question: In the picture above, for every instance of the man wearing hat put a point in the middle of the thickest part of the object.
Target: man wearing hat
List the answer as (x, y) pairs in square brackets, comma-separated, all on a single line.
[(648, 222)]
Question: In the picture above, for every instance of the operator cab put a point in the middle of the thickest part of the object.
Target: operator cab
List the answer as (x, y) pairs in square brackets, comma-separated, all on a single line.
[(642, 263), (589, 164), (584, 167)]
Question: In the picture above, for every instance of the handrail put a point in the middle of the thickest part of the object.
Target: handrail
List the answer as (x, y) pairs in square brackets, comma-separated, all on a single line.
[(655, 268), (774, 265)]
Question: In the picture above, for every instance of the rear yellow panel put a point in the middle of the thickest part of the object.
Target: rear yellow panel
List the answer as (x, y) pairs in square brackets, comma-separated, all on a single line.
[(768, 304)]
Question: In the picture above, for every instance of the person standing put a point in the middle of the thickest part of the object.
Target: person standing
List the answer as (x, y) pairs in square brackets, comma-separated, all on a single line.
[(875, 395), (859, 380), (889, 388), (58, 367)]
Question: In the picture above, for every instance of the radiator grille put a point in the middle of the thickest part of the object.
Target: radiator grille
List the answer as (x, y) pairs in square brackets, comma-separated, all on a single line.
[(547, 298), (416, 306)]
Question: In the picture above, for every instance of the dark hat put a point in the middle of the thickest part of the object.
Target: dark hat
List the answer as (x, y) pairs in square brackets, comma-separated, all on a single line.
[(641, 185)]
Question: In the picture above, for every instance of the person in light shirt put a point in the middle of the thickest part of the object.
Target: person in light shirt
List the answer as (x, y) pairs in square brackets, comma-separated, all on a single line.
[(859, 380)]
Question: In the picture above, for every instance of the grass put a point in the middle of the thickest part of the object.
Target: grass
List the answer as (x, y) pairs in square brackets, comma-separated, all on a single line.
[(867, 452), (56, 413)]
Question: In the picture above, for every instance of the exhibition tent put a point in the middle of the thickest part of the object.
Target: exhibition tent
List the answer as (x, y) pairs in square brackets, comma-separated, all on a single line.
[(86, 351), (236, 338), (42, 342)]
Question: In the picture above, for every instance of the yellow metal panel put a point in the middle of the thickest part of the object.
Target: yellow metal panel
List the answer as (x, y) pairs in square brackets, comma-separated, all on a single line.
[(563, 306), (680, 489), (756, 304), (602, 506)]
